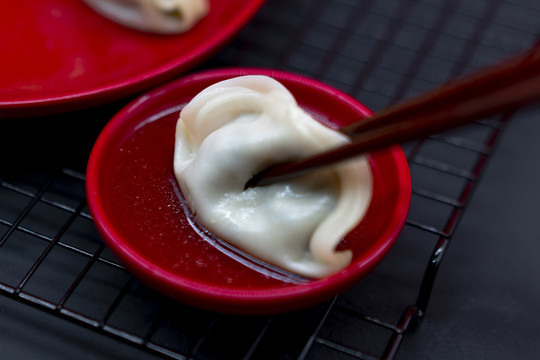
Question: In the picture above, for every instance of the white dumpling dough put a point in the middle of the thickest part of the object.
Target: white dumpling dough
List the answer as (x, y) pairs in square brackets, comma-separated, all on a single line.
[(238, 127), (159, 16)]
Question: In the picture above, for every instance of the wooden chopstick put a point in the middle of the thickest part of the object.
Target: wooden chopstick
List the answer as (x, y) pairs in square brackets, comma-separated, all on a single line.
[(508, 85)]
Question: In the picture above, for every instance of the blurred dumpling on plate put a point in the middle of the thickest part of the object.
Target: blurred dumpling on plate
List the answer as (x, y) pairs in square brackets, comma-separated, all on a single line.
[(157, 16)]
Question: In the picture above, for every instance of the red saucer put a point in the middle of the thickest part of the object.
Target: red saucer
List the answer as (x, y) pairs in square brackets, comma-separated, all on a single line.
[(135, 202)]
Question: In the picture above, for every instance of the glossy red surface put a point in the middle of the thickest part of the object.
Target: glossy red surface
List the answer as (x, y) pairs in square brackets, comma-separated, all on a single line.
[(59, 55), (135, 202)]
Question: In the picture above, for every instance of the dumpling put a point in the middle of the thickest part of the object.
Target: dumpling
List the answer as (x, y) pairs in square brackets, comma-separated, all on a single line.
[(159, 16), (239, 127)]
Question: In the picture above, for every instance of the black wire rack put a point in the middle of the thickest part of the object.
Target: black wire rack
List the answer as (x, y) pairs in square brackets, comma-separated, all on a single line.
[(52, 258)]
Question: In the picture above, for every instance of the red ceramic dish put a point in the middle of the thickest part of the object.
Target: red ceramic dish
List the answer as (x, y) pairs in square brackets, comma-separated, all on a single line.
[(60, 55), (136, 204)]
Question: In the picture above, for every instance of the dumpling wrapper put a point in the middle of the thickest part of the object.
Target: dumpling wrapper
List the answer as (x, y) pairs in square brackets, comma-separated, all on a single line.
[(158, 16), (238, 127)]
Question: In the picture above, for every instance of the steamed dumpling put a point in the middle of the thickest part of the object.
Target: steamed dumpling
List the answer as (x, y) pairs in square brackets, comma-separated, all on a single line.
[(160, 16), (238, 127)]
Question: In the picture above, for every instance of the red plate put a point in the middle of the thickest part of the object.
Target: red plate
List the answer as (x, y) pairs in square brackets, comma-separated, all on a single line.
[(137, 207), (59, 55)]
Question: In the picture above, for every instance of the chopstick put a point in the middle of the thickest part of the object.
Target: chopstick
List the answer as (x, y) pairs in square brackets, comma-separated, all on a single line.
[(506, 86)]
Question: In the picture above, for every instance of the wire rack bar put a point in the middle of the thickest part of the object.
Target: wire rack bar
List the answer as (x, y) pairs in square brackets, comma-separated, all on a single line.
[(442, 245)]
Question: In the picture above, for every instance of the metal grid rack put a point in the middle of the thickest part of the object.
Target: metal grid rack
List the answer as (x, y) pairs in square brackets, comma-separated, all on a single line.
[(52, 258)]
